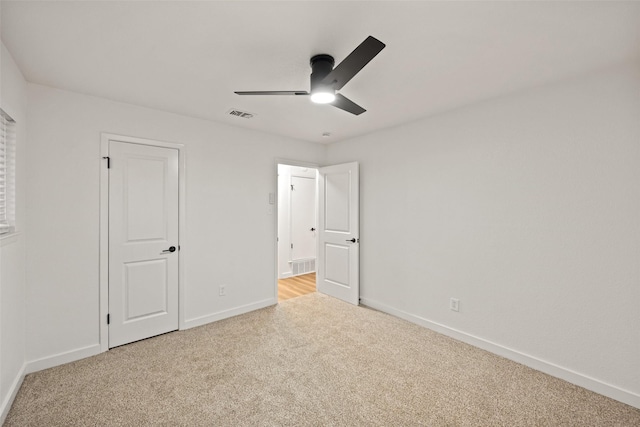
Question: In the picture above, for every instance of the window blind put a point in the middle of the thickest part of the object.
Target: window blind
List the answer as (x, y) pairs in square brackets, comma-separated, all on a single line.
[(7, 165)]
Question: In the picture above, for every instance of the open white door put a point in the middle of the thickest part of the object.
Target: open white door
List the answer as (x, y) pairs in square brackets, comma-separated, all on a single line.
[(338, 272), (143, 241)]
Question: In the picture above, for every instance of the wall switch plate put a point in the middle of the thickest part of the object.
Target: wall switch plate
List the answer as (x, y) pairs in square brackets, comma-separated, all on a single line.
[(454, 304), (222, 291), (272, 198)]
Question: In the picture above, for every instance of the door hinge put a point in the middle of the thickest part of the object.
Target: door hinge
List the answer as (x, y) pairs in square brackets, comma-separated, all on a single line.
[(108, 319), (108, 161), (292, 246)]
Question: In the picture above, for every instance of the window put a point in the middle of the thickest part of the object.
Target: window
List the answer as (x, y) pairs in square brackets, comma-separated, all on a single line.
[(7, 172)]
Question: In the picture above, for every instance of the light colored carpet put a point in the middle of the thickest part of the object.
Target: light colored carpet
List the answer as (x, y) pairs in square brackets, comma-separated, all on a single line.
[(313, 361)]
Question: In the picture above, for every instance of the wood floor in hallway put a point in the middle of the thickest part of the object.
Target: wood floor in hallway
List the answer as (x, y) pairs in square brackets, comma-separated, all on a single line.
[(296, 286)]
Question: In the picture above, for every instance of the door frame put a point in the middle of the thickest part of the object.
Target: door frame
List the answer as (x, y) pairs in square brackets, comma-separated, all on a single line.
[(288, 162), (103, 300)]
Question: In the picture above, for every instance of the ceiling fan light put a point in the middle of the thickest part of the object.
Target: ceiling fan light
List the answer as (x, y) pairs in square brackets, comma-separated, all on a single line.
[(323, 97)]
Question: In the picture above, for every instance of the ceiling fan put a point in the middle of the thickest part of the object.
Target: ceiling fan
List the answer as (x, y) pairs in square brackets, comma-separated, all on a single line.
[(326, 80)]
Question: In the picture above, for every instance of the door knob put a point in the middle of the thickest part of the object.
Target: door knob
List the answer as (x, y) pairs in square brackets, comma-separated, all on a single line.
[(352, 240), (313, 229), (171, 249)]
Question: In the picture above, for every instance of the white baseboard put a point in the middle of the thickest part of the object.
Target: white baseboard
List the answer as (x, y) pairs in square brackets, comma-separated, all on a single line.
[(597, 386), (11, 395), (203, 320), (92, 350), (62, 358)]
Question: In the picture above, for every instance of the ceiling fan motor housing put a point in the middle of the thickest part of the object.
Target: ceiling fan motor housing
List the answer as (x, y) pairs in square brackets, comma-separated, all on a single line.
[(321, 66)]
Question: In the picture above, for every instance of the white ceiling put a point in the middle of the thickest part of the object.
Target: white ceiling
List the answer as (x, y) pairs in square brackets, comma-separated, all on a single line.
[(189, 57)]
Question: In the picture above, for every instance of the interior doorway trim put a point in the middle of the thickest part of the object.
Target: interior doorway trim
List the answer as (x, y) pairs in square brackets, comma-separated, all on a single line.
[(104, 228), (287, 162)]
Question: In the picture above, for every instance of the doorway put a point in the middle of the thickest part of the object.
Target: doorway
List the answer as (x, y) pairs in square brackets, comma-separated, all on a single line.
[(336, 238), (297, 230)]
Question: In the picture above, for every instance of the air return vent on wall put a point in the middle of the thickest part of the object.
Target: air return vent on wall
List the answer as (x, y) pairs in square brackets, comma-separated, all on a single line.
[(303, 266), (239, 113)]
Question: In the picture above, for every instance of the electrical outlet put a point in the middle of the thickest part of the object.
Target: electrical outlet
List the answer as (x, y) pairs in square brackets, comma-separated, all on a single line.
[(454, 304), (222, 291)]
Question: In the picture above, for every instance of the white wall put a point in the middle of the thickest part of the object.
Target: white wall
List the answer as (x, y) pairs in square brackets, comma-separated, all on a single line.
[(525, 208), (284, 222), (13, 100), (230, 236)]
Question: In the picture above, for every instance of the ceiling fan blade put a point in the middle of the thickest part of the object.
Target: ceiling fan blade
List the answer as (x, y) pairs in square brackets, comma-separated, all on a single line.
[(353, 63), (344, 103), (274, 92)]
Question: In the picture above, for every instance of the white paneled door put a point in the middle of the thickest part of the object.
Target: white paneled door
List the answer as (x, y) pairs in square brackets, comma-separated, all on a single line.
[(338, 272), (303, 217), (143, 241)]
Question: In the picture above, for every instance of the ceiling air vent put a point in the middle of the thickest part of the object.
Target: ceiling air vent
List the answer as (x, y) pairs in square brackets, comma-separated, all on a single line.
[(238, 113)]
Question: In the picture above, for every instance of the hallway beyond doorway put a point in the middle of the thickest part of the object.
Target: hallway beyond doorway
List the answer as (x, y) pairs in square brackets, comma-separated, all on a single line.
[(296, 286)]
